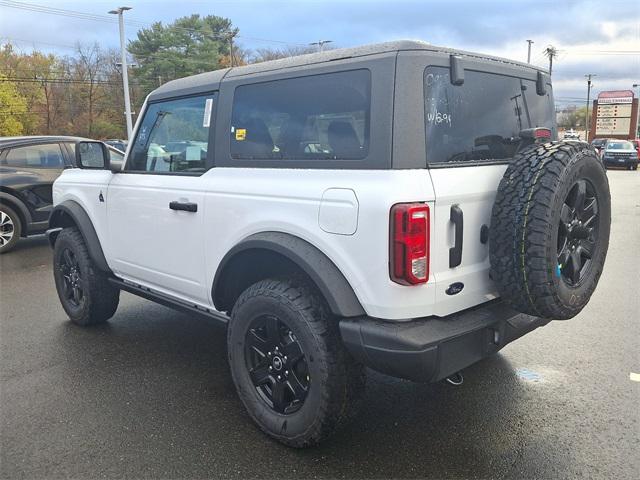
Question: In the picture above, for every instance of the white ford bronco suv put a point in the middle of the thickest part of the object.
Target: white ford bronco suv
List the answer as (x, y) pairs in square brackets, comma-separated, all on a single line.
[(399, 206)]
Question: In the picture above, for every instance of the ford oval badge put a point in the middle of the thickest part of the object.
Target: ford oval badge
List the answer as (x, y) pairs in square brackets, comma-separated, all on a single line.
[(454, 288)]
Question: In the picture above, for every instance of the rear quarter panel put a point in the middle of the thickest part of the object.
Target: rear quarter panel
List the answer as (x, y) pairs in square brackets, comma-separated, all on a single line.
[(240, 202)]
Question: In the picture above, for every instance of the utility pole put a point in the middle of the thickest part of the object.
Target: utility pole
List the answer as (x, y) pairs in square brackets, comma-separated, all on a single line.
[(586, 119), (125, 70), (551, 52), (529, 51), (321, 44), (231, 35)]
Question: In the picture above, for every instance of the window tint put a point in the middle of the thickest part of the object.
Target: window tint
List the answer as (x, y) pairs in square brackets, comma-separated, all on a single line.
[(36, 156), (314, 117), (481, 119), (173, 136)]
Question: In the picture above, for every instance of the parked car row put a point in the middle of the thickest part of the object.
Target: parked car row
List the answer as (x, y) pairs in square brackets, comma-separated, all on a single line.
[(618, 153), (28, 168)]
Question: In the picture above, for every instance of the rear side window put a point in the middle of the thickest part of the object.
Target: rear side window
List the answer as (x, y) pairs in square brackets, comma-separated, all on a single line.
[(481, 119), (173, 136), (36, 156), (314, 117)]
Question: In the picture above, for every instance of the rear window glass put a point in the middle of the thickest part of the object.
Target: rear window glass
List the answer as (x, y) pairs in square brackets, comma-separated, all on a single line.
[(620, 146), (47, 155), (480, 120), (314, 117)]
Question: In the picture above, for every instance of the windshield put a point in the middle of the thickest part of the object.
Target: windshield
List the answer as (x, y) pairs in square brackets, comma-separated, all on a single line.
[(620, 146), (481, 120)]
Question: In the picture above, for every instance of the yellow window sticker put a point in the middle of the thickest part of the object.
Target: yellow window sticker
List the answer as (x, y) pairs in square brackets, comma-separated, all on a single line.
[(241, 134)]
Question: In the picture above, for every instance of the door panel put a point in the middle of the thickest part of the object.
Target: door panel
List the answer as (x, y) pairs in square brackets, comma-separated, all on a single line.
[(153, 244), (473, 190), (156, 205), (39, 165)]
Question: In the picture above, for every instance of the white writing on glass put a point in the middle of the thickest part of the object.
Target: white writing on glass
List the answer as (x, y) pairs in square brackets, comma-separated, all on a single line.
[(436, 118)]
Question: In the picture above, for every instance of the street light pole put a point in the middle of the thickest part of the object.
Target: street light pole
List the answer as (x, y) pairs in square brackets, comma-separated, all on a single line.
[(125, 72), (586, 118), (636, 85), (529, 51)]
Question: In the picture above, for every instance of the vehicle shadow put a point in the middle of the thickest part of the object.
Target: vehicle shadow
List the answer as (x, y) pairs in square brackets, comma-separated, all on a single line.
[(168, 409)]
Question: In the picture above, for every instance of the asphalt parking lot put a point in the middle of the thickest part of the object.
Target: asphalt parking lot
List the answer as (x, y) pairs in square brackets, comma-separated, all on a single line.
[(149, 395)]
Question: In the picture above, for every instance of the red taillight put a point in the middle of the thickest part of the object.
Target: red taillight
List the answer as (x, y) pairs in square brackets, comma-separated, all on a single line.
[(409, 243), (542, 133)]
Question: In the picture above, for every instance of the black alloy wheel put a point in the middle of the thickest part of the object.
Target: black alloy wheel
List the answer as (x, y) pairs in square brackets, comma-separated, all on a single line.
[(84, 290), (288, 363), (277, 364), (578, 232), (72, 281)]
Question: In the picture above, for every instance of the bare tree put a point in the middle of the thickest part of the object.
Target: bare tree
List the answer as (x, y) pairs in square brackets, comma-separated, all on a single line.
[(89, 75), (266, 54)]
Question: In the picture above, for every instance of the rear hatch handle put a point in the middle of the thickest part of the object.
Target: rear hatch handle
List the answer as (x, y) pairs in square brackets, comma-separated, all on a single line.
[(455, 252)]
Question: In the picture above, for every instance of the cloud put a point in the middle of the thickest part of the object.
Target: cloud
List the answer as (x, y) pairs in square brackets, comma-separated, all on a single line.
[(579, 29)]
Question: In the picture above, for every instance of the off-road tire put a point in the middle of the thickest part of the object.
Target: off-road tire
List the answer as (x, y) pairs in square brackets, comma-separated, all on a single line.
[(99, 297), (17, 228), (525, 225), (337, 380)]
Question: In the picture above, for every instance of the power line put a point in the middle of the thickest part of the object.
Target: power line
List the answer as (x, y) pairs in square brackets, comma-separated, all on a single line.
[(70, 81), (20, 40), (106, 19)]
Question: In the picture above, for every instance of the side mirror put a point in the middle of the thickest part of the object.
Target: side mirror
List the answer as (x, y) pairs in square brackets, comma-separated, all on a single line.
[(92, 155)]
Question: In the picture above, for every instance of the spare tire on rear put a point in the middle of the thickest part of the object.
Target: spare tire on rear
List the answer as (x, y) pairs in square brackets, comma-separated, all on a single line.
[(550, 229)]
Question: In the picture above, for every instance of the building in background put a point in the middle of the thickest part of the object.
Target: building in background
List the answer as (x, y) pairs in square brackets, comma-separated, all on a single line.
[(615, 115)]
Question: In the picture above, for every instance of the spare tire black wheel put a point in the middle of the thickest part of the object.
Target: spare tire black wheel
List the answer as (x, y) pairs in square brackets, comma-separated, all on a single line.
[(550, 229)]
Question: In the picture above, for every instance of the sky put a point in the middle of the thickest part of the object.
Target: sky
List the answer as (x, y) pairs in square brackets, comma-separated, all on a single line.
[(597, 37)]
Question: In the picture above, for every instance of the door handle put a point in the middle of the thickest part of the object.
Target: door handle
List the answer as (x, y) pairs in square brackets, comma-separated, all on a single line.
[(185, 206), (455, 252)]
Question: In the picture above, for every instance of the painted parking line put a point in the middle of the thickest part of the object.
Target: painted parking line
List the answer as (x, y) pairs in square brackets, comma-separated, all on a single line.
[(634, 377)]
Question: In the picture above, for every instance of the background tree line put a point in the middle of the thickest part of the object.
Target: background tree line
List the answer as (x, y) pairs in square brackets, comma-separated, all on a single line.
[(573, 118), (81, 94)]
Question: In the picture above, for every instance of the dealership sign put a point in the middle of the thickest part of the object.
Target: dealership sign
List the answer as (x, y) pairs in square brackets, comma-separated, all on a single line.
[(616, 96), (613, 112)]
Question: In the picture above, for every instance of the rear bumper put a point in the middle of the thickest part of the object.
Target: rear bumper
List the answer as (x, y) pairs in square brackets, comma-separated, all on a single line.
[(430, 349)]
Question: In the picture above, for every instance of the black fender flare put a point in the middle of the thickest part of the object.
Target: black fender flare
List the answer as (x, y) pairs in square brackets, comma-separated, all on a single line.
[(70, 213), (23, 210), (333, 286)]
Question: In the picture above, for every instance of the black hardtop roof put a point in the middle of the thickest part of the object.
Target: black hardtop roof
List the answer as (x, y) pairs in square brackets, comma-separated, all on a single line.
[(26, 140), (195, 82)]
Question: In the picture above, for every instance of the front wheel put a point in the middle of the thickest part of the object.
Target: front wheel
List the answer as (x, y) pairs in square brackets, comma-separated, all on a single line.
[(10, 228), (84, 291), (288, 363)]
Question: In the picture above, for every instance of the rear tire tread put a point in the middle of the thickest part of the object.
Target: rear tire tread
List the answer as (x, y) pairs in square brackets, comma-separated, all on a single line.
[(342, 393), (520, 237)]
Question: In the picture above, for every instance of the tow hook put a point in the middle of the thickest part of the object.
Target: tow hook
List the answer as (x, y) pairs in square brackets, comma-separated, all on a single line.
[(456, 379)]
